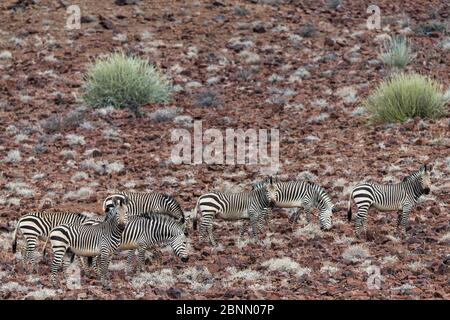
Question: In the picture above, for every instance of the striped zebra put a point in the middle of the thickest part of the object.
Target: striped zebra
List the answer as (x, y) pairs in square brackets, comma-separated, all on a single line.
[(37, 225), (251, 205), (302, 194), (145, 203), (400, 197), (145, 232), (101, 240)]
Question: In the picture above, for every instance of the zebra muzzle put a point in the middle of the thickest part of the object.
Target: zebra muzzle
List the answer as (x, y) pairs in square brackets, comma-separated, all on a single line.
[(185, 259), (426, 190)]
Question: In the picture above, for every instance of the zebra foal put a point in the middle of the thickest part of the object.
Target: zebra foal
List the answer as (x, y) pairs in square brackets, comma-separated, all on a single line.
[(303, 194), (400, 197), (100, 239), (38, 225), (251, 205)]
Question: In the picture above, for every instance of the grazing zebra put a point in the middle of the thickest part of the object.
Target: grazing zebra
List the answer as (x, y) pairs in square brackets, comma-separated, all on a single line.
[(143, 203), (101, 239), (34, 225), (251, 205), (401, 197), (304, 194)]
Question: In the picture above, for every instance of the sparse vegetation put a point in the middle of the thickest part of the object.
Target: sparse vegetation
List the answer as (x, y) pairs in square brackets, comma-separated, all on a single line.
[(13, 156), (406, 96), (429, 28), (207, 99), (286, 265), (396, 52), (356, 253), (124, 82)]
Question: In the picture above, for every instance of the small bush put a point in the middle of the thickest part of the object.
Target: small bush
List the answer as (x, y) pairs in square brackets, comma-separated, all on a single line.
[(124, 82), (396, 52), (406, 96), (427, 29), (207, 99)]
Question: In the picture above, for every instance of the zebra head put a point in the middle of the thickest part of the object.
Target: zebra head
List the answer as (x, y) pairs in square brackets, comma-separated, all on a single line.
[(119, 209), (179, 245), (271, 191), (419, 182), (424, 178)]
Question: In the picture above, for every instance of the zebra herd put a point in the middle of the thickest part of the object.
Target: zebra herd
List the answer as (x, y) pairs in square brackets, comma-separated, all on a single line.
[(141, 221)]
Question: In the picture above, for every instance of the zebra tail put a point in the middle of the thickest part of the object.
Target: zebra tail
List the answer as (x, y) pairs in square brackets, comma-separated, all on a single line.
[(45, 247), (14, 243), (349, 209), (195, 217)]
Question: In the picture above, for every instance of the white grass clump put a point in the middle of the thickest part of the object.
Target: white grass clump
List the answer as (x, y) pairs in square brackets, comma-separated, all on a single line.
[(74, 139), (161, 278), (445, 238), (287, 265), (81, 194), (13, 156), (245, 274), (343, 240), (329, 268), (200, 279), (310, 231), (416, 266), (41, 294), (389, 260), (13, 287), (356, 253), (80, 175), (20, 189)]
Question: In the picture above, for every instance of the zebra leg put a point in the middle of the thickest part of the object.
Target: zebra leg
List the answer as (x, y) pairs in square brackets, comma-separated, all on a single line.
[(253, 222), (267, 217), (210, 235), (130, 258), (204, 225), (404, 219), (399, 221), (293, 218), (307, 214), (141, 257), (360, 221), (58, 256), (29, 256), (103, 267)]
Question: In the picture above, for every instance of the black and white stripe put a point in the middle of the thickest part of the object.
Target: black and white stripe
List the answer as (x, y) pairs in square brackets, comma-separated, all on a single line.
[(251, 205), (145, 232), (90, 240), (37, 225), (400, 197), (304, 195), (146, 203)]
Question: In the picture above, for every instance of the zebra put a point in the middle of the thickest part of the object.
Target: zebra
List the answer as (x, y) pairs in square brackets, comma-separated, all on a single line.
[(302, 194), (38, 224), (145, 203), (145, 232), (402, 196), (251, 205), (101, 239)]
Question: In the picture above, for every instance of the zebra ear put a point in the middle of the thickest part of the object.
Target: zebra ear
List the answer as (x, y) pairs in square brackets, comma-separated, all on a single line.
[(423, 168), (270, 180), (430, 167)]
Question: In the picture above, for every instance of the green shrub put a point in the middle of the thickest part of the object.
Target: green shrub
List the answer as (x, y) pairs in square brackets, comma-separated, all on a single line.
[(396, 52), (124, 82), (406, 96)]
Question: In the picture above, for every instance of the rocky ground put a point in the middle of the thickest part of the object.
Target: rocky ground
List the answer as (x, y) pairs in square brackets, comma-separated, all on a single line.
[(299, 66)]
